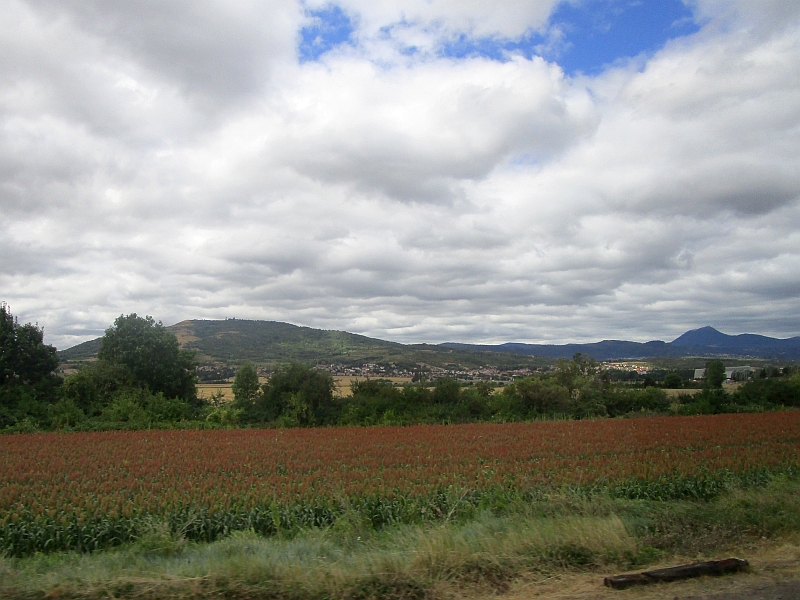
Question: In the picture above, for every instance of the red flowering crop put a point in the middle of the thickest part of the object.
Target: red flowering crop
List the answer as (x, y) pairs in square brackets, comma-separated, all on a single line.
[(80, 477)]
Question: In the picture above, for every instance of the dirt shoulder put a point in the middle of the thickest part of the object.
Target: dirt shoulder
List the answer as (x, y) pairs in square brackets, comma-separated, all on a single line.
[(774, 574)]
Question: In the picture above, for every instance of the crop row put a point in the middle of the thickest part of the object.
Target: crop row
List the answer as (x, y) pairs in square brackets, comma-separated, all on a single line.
[(90, 490)]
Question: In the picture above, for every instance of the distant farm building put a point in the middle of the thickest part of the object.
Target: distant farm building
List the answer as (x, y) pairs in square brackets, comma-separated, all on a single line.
[(731, 373)]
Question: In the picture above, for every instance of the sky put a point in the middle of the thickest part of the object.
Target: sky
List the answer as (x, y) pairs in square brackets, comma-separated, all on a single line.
[(535, 171)]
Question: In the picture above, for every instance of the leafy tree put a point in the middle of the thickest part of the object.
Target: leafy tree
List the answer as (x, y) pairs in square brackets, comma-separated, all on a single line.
[(673, 381), (152, 354), (301, 393), (538, 396), (446, 391), (574, 374), (370, 402), (712, 399), (24, 357), (245, 385), (715, 374), (28, 382), (475, 403), (373, 388), (126, 408), (65, 414), (769, 393), (247, 396), (621, 401), (95, 384)]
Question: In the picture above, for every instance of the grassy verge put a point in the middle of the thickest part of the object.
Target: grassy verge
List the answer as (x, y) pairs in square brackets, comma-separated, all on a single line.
[(351, 560)]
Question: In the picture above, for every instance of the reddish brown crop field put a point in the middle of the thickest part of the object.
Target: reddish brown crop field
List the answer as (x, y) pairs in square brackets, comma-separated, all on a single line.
[(77, 479)]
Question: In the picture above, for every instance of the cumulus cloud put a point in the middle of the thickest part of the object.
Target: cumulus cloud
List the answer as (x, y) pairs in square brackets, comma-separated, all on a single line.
[(181, 160), (217, 50), (416, 133), (506, 18)]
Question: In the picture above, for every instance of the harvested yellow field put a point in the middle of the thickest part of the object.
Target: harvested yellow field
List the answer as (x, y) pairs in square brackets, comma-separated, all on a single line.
[(206, 390), (728, 387), (679, 392), (343, 383)]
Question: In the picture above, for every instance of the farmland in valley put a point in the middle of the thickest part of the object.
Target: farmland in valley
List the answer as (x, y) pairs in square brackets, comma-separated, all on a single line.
[(90, 490), (207, 390)]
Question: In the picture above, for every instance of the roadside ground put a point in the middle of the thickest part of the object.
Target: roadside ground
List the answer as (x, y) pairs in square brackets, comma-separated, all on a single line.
[(774, 575)]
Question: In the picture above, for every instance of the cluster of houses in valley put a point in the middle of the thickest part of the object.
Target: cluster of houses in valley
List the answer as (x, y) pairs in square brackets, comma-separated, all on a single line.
[(431, 374), (498, 376), (495, 374), (637, 367)]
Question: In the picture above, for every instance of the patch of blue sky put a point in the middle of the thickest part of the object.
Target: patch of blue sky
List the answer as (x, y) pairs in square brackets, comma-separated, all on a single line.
[(589, 36), (492, 48), (600, 32), (329, 27)]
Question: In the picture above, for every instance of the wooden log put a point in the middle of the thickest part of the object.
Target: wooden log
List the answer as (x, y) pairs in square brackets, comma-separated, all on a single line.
[(711, 567), (620, 582)]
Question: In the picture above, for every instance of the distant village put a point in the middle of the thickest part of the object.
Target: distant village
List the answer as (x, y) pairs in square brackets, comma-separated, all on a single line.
[(429, 373), (484, 373), (372, 370)]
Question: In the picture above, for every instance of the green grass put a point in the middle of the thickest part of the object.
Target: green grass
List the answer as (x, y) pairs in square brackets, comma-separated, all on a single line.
[(352, 560)]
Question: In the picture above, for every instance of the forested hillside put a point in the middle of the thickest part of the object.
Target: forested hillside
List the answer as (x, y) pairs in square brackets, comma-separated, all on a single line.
[(271, 343)]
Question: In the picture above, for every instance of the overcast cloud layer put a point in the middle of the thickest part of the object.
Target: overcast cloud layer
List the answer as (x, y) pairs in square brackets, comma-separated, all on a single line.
[(182, 160)]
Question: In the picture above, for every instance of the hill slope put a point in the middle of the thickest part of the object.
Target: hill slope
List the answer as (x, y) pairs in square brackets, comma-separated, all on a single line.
[(233, 341)]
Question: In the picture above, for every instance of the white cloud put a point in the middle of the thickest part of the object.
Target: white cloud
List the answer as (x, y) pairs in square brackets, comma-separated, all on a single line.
[(176, 160), (414, 133), (507, 18)]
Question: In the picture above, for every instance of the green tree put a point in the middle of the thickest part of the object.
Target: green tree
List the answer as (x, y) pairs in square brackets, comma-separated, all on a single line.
[(575, 373), (586, 383), (303, 394), (28, 381), (247, 397), (93, 386), (153, 356), (712, 399), (673, 381), (245, 384), (24, 357), (539, 396), (624, 400), (446, 391), (715, 374)]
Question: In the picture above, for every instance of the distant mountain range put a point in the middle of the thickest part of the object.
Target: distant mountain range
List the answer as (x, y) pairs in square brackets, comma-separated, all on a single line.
[(269, 342), (705, 341)]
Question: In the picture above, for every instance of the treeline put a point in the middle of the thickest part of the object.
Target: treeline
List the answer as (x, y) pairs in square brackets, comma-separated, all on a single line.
[(576, 389), (142, 379)]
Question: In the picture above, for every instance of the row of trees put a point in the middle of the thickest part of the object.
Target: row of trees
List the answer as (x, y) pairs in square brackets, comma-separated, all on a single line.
[(301, 396), (142, 378), (295, 395)]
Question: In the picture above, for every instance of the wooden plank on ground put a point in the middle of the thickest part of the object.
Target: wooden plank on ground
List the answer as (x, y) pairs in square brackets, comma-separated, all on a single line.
[(711, 567)]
